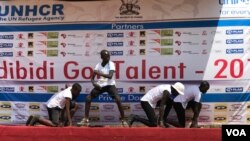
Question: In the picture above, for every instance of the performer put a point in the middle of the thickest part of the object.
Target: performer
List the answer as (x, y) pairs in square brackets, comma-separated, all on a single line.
[(55, 105), (163, 94), (106, 83), (191, 99)]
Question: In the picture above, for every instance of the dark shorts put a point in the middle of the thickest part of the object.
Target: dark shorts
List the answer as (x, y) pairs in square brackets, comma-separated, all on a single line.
[(111, 90), (54, 115)]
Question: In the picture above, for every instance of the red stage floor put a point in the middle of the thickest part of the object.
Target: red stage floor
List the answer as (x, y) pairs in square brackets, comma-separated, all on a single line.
[(42, 133)]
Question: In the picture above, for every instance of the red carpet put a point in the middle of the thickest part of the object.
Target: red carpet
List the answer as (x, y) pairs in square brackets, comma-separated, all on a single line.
[(41, 133)]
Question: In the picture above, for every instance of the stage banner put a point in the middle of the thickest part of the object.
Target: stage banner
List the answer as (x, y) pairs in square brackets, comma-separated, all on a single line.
[(46, 46)]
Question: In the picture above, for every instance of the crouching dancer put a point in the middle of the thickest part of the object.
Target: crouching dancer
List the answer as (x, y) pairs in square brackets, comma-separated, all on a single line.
[(55, 105)]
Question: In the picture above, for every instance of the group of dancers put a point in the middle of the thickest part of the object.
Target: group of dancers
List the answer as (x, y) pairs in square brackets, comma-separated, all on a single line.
[(61, 106)]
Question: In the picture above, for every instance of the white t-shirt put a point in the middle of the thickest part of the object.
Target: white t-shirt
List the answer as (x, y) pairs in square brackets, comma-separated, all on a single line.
[(102, 81), (192, 92), (155, 94), (59, 99)]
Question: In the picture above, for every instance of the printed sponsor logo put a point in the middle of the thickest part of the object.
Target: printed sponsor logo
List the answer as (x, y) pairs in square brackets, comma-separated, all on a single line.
[(20, 105), (19, 54), (116, 53), (204, 42), (20, 36), (52, 53), (64, 36), (20, 44), (167, 51), (34, 107), (131, 89), (220, 118), (216, 32), (142, 89), (7, 89), (178, 33), (53, 35), (220, 107), (167, 42), (5, 106), (6, 45), (204, 33), (33, 11), (108, 107), (167, 33), (70, 54), (248, 106), (6, 54), (120, 90), (115, 35), (133, 34), (20, 117), (234, 89), (6, 36), (114, 44), (248, 119), (156, 51), (234, 31), (206, 106), (94, 108), (204, 118), (234, 41), (190, 33), (52, 89), (234, 51), (131, 43), (178, 52), (236, 117), (233, 2), (131, 52), (5, 117), (126, 107), (235, 107), (52, 44)]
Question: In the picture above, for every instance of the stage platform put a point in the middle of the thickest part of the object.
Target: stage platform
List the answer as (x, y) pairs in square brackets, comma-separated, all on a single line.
[(43, 133)]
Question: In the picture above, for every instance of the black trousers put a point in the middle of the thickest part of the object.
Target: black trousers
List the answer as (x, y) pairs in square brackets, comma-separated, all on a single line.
[(152, 119)]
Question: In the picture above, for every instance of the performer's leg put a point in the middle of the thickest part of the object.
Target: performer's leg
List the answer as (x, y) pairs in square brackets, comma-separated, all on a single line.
[(180, 111), (94, 93), (196, 107), (152, 120), (112, 91)]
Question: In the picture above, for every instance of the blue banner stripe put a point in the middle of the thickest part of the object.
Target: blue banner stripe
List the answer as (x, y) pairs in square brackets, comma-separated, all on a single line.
[(126, 26), (41, 97)]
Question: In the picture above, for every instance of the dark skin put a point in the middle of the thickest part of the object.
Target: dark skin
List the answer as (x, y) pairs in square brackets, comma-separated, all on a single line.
[(75, 93), (165, 101), (204, 86), (105, 56), (64, 118)]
